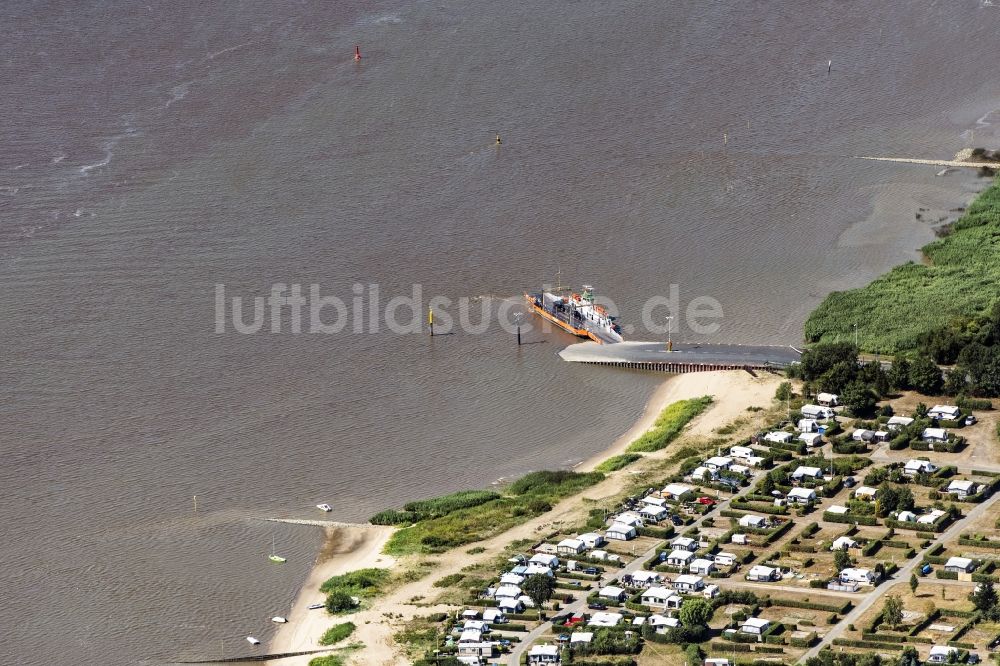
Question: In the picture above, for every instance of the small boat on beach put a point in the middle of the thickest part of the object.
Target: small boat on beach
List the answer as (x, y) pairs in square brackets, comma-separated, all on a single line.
[(277, 559), (324, 507), (277, 619), (253, 641)]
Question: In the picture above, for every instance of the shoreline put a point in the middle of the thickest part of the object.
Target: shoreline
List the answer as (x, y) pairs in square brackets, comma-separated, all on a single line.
[(361, 546), (344, 549)]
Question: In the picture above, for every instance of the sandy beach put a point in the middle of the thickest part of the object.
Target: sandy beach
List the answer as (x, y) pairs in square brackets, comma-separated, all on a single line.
[(355, 548), (345, 549), (733, 392)]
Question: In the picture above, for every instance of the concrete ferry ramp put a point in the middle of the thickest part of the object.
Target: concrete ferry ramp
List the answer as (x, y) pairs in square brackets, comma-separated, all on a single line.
[(683, 358)]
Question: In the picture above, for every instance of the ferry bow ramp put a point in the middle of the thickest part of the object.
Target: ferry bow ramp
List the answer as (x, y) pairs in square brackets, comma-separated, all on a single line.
[(683, 357)]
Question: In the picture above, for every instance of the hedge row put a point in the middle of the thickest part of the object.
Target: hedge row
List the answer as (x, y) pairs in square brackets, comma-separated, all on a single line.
[(810, 605), (850, 518), (871, 645)]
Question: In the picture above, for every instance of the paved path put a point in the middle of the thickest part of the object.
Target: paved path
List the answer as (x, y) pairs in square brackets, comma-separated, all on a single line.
[(635, 565), (903, 574)]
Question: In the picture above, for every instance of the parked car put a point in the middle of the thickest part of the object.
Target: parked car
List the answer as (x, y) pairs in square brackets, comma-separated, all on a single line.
[(973, 658), (563, 638), (707, 501), (597, 607), (591, 571), (676, 520), (926, 569), (849, 482), (971, 420)]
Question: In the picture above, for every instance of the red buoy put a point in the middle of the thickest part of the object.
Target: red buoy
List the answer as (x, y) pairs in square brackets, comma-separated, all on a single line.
[(357, 53)]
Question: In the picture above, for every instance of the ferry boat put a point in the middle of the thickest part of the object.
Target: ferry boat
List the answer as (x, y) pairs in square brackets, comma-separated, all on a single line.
[(577, 314)]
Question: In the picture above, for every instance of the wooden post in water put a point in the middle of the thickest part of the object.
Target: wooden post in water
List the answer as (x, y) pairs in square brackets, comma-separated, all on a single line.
[(430, 320), (829, 66), (196, 504)]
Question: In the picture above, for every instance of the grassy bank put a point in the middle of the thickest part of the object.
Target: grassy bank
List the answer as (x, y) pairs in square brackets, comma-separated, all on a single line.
[(669, 424), (961, 280), (337, 633), (341, 591), (437, 524), (615, 463), (529, 496)]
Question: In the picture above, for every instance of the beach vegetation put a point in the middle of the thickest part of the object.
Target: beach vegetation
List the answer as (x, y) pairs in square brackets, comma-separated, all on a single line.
[(441, 506), (450, 580), (669, 424), (340, 601), (783, 392), (934, 306), (337, 633), (615, 463), (393, 517), (362, 583), (327, 660), (527, 497)]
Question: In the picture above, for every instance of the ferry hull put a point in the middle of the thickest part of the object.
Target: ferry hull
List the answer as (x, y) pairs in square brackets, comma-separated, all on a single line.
[(566, 326)]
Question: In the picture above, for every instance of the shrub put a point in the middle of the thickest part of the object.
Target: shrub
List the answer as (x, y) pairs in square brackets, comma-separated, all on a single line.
[(337, 633), (339, 601)]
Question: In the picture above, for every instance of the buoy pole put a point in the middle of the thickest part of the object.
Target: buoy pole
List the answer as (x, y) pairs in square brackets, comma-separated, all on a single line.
[(357, 53), (829, 66), (430, 320), (499, 142)]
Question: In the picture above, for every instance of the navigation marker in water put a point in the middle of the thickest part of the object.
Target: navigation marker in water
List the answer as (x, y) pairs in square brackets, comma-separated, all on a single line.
[(829, 66), (357, 53), (430, 319), (499, 142)]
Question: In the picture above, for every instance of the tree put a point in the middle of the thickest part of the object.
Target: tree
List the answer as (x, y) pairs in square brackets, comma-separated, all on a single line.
[(892, 611), (925, 375), (784, 391), (339, 601), (539, 588), (888, 497), (899, 373), (696, 612), (914, 582), (767, 485), (909, 657), (838, 376), (984, 598), (819, 359), (904, 499), (841, 560), (859, 399)]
